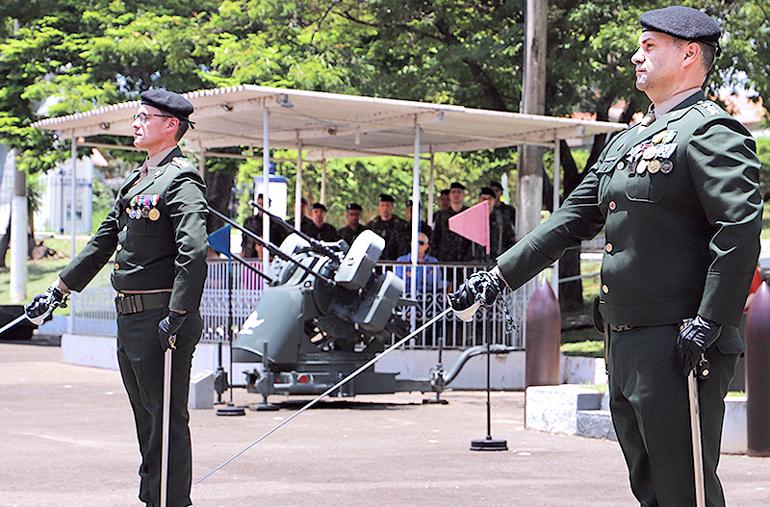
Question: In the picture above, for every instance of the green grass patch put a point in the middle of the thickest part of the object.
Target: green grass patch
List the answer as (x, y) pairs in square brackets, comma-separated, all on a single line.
[(40, 276), (581, 335), (588, 348), (590, 284), (602, 388), (765, 234), (62, 245)]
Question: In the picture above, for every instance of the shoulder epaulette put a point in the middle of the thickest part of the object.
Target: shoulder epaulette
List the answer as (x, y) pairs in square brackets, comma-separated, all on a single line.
[(182, 163), (708, 108)]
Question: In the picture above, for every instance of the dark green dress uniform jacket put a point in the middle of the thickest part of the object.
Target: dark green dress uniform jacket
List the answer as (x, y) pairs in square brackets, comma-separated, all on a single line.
[(682, 238), (166, 253)]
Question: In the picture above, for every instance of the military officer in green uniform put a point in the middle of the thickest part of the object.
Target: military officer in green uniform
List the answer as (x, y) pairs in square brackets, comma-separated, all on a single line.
[(678, 198), (157, 231)]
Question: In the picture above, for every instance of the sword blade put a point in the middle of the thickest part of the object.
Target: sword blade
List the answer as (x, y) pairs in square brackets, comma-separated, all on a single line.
[(11, 324), (165, 438), (697, 450), (324, 394)]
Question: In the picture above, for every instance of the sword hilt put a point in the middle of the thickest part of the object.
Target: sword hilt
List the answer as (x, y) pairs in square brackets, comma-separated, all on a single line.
[(703, 368)]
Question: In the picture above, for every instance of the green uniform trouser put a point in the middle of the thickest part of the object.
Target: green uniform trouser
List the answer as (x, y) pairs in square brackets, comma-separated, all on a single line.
[(141, 366), (650, 411)]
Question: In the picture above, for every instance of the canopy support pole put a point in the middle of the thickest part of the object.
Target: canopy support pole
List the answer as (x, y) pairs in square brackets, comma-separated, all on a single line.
[(415, 217), (298, 187), (266, 186), (73, 223), (431, 187), (202, 161), (323, 180)]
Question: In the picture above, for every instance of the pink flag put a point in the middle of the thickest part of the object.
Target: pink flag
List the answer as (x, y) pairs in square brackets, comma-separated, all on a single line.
[(473, 224)]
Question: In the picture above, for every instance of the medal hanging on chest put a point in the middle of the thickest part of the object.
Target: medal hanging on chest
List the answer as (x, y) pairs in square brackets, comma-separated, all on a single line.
[(154, 213)]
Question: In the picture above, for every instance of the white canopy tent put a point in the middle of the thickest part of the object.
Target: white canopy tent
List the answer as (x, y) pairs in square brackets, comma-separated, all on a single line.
[(328, 125)]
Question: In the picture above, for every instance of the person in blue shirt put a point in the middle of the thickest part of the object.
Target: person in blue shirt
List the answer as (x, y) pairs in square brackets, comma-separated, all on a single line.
[(427, 278)]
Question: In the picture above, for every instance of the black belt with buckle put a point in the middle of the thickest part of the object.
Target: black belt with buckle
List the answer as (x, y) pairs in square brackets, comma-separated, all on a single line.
[(127, 304), (619, 328)]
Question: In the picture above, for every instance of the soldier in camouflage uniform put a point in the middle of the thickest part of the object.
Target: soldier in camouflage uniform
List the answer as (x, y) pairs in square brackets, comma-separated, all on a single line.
[(351, 231), (509, 210), (395, 230), (500, 230), (318, 228), (448, 246), (249, 246)]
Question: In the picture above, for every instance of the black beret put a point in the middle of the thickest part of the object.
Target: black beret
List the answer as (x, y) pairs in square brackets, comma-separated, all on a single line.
[(168, 102), (487, 191), (457, 184), (683, 23), (496, 184), (318, 205), (386, 198), (354, 206)]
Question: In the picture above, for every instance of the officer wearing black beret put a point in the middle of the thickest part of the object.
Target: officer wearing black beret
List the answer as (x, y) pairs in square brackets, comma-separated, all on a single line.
[(157, 232), (678, 198), (499, 204), (317, 227), (354, 226), (394, 230)]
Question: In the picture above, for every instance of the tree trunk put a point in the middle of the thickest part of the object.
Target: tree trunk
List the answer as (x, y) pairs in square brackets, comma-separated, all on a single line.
[(570, 293), (5, 242)]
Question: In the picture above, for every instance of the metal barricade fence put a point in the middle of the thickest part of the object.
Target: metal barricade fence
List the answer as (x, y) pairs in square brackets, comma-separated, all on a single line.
[(95, 310), (433, 281)]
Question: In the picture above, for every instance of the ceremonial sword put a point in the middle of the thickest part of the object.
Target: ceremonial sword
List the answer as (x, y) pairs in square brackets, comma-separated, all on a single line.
[(324, 394)]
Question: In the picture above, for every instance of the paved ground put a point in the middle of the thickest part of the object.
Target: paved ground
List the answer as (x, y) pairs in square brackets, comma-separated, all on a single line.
[(67, 439)]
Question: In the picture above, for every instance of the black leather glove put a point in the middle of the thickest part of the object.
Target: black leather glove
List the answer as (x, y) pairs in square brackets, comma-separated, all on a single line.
[(44, 304), (167, 329), (481, 287), (695, 336)]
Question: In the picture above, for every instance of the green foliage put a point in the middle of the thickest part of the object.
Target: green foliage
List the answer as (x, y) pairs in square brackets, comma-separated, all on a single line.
[(102, 201), (589, 348), (63, 56), (763, 151), (362, 179)]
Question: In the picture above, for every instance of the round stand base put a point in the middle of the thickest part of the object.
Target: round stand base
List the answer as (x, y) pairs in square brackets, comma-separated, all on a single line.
[(264, 407), (434, 401), (489, 444), (231, 411)]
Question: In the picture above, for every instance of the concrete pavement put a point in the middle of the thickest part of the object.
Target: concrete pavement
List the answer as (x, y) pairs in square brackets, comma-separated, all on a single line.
[(67, 439)]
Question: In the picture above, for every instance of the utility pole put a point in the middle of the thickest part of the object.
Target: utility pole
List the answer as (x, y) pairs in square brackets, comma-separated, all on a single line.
[(18, 232), (530, 188)]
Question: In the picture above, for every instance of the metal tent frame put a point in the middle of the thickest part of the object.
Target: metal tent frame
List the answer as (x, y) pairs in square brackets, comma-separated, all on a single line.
[(329, 125)]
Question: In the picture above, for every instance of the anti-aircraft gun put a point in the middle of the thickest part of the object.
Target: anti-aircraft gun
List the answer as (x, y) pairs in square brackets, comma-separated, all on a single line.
[(326, 313)]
